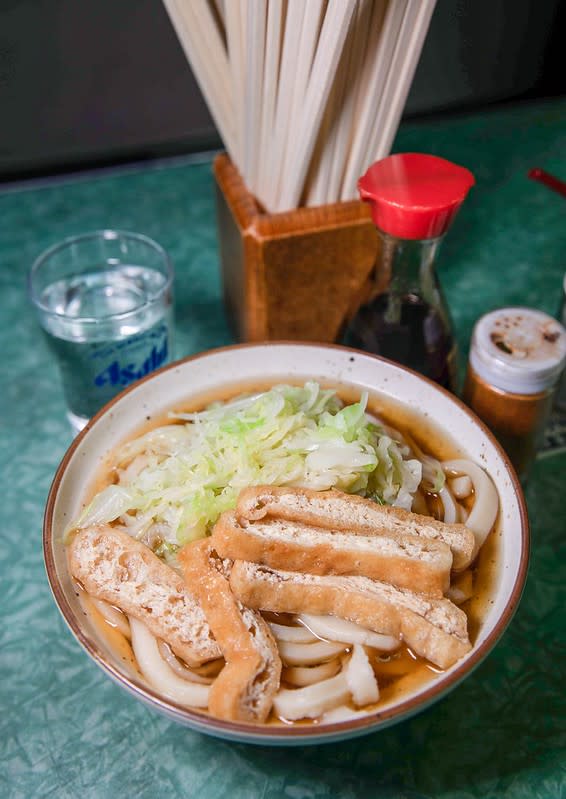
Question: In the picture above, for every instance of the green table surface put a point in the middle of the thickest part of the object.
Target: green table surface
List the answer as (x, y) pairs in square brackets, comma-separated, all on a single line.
[(65, 729)]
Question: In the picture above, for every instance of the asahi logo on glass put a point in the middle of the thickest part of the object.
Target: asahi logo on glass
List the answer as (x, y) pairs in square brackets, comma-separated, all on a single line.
[(122, 371)]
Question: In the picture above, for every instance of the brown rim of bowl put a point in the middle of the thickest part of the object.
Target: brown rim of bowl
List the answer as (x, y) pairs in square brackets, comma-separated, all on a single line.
[(233, 729)]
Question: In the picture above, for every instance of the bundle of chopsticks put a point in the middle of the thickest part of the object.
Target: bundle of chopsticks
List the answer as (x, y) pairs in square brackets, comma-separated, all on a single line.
[(305, 94)]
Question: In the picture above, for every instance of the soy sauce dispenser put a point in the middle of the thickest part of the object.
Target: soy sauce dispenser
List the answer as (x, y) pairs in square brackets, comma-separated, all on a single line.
[(403, 315)]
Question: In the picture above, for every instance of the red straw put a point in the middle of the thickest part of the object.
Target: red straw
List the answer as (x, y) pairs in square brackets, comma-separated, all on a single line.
[(549, 180)]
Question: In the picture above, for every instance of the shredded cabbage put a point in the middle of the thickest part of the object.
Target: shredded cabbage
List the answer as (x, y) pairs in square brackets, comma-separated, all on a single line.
[(175, 481), (433, 477)]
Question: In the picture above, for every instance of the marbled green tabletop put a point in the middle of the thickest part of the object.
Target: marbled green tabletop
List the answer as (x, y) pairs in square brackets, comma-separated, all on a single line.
[(65, 729)]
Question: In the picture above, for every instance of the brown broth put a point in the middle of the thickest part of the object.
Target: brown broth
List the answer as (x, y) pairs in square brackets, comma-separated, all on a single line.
[(402, 671), (116, 641)]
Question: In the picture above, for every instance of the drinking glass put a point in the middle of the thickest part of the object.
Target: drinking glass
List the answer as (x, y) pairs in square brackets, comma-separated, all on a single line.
[(105, 303)]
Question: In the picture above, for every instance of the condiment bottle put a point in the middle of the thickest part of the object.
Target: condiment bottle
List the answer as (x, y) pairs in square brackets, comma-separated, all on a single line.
[(404, 316), (516, 358)]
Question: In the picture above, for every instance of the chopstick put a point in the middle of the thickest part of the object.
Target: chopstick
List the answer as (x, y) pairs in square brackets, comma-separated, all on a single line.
[(335, 26), (234, 13), (272, 51), (369, 16), (304, 93), (196, 31), (403, 66), (306, 53), (350, 86), (255, 25), (284, 99), (382, 51)]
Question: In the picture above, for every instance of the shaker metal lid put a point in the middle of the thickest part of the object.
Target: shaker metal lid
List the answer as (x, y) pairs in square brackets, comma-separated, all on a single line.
[(520, 350), (414, 195)]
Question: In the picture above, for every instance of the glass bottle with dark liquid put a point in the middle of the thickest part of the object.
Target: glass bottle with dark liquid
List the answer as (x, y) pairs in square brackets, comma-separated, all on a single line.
[(404, 316)]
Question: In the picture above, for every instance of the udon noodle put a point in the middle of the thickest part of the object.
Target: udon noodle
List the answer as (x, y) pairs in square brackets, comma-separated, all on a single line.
[(332, 668)]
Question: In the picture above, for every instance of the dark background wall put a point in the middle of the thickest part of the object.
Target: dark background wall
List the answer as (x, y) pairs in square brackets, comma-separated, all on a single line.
[(94, 82)]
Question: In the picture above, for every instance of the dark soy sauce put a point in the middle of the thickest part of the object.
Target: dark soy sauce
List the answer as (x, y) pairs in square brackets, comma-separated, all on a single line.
[(408, 330)]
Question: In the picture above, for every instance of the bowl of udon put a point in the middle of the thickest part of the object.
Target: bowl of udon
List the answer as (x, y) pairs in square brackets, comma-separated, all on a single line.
[(286, 543)]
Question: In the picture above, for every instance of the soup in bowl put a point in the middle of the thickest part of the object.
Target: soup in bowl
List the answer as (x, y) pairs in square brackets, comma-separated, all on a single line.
[(286, 543)]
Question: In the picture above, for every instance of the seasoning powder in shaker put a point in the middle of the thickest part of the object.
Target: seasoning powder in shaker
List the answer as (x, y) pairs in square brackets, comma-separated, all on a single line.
[(516, 358)]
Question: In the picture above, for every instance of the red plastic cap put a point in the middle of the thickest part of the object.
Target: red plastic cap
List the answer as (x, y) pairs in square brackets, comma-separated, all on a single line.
[(414, 196)]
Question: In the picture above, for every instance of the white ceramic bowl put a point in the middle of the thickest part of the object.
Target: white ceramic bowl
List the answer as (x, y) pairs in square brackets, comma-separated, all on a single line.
[(280, 362)]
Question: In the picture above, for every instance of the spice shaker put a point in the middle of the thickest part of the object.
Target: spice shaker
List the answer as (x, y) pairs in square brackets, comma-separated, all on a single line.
[(404, 316), (516, 358)]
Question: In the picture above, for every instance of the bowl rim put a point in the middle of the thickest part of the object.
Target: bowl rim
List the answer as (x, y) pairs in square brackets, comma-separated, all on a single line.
[(265, 733)]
